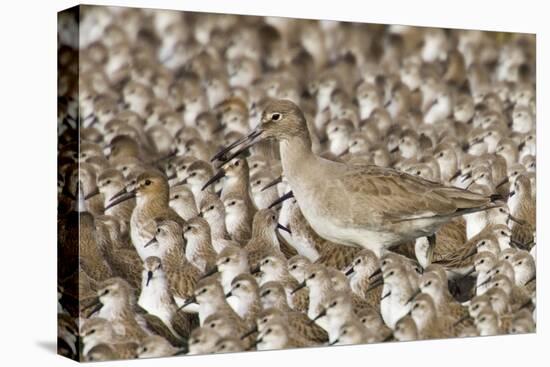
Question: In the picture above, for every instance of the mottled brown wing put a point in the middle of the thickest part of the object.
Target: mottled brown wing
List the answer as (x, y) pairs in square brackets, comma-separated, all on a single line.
[(337, 256), (286, 248), (310, 331), (157, 327), (396, 196)]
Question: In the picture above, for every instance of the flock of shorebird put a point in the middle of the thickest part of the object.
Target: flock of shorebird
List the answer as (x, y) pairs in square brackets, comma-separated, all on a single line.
[(231, 183)]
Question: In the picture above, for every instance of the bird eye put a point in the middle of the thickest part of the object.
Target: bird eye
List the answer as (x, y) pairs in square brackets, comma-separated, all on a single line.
[(158, 230), (333, 304), (91, 332), (211, 207), (176, 197), (147, 182), (107, 182), (227, 260), (293, 267), (268, 331), (429, 283), (391, 273), (193, 174), (312, 276), (237, 164), (482, 319), (258, 182), (482, 261), (358, 261), (238, 285), (344, 332), (212, 325), (276, 117)]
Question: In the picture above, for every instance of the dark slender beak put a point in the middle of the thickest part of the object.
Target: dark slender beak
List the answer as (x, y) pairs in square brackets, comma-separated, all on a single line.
[(172, 176), (483, 283), (286, 196), (387, 104), (516, 220), (323, 313), (210, 272), (193, 299), (93, 307), (394, 150), (334, 342), (503, 182), (272, 183), (300, 286), (350, 271), (388, 338), (466, 176), (219, 128), (149, 277), (249, 332), (385, 296), (521, 146), (512, 193), (476, 141), (470, 272), (376, 272), (122, 198), (121, 192), (182, 182), (374, 285), (283, 228), (92, 194), (168, 156), (470, 254), (533, 278), (256, 342), (461, 320), (228, 294), (346, 151), (150, 242), (252, 138), (255, 270), (416, 293), (457, 173), (215, 178)]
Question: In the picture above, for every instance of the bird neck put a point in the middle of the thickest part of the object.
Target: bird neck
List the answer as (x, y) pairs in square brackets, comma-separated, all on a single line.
[(296, 154)]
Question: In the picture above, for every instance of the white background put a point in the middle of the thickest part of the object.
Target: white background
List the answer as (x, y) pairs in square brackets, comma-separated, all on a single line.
[(28, 180)]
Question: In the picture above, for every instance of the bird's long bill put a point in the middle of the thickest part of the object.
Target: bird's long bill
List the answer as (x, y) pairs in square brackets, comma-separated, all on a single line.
[(215, 178), (190, 300), (210, 272), (166, 157), (283, 228), (286, 196), (516, 220), (94, 306), (483, 283), (255, 270), (416, 293), (228, 294), (533, 278), (375, 274), (457, 173), (252, 138), (503, 182), (272, 183), (92, 194), (461, 320), (349, 271), (150, 242), (302, 285), (385, 296), (388, 338), (122, 198), (470, 272), (375, 285), (323, 313), (149, 277), (334, 342), (121, 192), (249, 332), (470, 254), (256, 342)]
